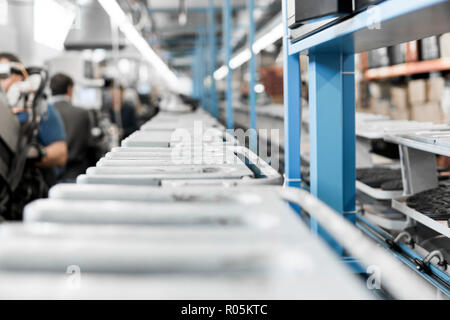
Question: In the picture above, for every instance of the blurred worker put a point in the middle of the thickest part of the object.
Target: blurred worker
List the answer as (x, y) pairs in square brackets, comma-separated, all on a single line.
[(77, 124), (122, 113), (51, 138)]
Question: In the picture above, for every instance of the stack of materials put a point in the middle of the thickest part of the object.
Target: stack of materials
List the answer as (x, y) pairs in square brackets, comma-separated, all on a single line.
[(173, 150)]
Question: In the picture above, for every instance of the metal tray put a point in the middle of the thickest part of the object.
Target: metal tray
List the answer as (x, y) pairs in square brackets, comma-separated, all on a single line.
[(141, 213), (377, 193), (435, 225)]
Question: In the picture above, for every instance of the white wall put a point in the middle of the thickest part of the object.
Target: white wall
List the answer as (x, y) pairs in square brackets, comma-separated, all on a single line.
[(17, 36)]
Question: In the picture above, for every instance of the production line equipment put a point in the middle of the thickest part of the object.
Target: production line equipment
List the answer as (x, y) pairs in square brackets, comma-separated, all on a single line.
[(144, 223)]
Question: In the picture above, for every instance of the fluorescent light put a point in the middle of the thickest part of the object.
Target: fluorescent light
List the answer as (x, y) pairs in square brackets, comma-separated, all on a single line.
[(119, 18), (3, 12), (221, 73), (240, 59), (52, 32), (259, 88), (267, 39), (260, 44), (182, 19)]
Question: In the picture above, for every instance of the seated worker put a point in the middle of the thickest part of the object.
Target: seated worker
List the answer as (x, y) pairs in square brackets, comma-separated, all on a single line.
[(128, 119), (51, 136), (77, 124)]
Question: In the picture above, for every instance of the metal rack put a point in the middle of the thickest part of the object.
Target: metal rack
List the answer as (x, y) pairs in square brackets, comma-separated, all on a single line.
[(418, 152), (331, 84), (370, 127)]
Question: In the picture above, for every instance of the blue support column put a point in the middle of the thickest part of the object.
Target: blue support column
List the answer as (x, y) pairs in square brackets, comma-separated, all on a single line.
[(212, 56), (332, 133), (251, 90), (292, 123), (202, 71), (228, 52), (196, 69)]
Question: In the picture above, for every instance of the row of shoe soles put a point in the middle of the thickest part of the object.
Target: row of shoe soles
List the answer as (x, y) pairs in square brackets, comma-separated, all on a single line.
[(384, 178), (434, 203)]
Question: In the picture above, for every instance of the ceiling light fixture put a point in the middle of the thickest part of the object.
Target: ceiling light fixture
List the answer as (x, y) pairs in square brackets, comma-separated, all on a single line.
[(119, 18), (182, 13), (260, 44)]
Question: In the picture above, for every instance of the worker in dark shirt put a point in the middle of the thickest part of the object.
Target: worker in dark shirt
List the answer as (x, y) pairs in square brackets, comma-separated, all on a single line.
[(122, 113), (77, 124)]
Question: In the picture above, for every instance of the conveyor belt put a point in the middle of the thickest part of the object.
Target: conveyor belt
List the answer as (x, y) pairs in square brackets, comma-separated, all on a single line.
[(128, 240)]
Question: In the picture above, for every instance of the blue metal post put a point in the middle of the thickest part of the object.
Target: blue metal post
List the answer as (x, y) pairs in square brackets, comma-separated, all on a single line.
[(203, 93), (292, 123), (251, 90), (213, 55), (332, 133), (228, 52), (196, 71)]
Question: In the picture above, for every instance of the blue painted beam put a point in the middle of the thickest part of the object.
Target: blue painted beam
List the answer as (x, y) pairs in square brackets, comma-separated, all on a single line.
[(196, 69), (332, 133), (292, 111), (227, 20), (212, 62), (251, 90), (202, 72)]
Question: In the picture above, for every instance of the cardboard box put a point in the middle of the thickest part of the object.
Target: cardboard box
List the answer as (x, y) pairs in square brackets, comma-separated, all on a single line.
[(417, 92), (380, 106), (379, 90), (399, 97), (427, 112), (444, 44), (399, 114), (435, 89), (445, 103)]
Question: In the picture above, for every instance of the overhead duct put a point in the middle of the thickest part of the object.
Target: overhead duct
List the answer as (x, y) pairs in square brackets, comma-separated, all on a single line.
[(92, 30)]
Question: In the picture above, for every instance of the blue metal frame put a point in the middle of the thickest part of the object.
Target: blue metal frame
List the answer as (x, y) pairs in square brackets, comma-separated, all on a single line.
[(196, 69), (212, 59), (202, 72), (251, 89), (332, 133), (331, 90), (228, 52), (292, 111)]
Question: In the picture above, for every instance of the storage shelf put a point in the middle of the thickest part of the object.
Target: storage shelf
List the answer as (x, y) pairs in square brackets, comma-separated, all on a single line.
[(420, 217), (419, 145), (407, 69)]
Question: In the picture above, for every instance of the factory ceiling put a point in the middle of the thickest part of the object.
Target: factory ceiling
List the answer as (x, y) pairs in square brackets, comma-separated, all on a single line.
[(172, 27)]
